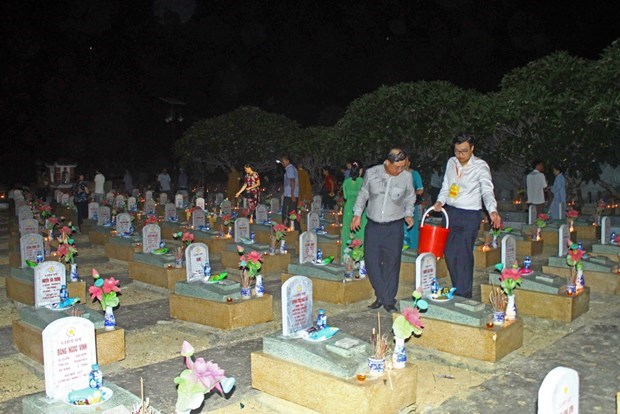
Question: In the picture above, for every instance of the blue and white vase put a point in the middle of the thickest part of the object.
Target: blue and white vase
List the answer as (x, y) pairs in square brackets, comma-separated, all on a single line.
[(498, 318), (246, 292), (109, 320), (363, 272), (75, 277), (259, 287), (580, 281), (282, 246), (511, 308), (376, 366), (399, 356)]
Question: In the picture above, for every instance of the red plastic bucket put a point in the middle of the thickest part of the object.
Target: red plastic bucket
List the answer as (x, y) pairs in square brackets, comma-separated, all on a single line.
[(432, 238)]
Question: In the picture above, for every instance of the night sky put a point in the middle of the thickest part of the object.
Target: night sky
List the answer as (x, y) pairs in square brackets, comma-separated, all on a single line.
[(82, 79)]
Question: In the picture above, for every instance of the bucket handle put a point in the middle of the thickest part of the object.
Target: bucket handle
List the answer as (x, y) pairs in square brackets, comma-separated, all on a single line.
[(445, 213)]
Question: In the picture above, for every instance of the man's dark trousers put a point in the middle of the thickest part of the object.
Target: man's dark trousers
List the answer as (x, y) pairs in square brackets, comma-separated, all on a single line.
[(459, 253), (383, 246)]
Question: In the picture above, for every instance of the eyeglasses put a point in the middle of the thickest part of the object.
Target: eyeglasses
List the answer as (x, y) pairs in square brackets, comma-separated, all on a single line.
[(461, 152)]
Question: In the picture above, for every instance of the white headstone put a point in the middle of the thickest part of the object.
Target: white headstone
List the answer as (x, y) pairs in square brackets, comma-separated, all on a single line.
[(307, 247), (24, 212), (163, 198), (196, 256), (19, 203), (531, 215), (132, 204), (123, 224), (509, 251), (605, 230), (58, 196), (135, 192), (315, 206), (109, 197), (200, 203), (69, 351), (313, 221), (93, 210), (64, 200), (29, 246), (317, 199), (561, 211), (48, 278), (151, 237), (219, 197), (198, 218), (563, 240), (178, 201), (149, 207), (103, 215), (226, 208), (199, 193), (28, 226), (170, 211), (148, 195), (297, 306), (242, 229), (274, 205), (119, 201), (559, 392), (425, 272), (262, 213)]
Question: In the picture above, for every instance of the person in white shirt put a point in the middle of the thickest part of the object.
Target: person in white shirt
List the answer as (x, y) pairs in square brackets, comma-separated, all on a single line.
[(99, 182), (164, 181), (466, 184), (536, 184)]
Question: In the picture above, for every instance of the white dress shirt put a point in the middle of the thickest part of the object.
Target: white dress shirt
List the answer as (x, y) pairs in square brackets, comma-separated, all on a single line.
[(474, 182), (536, 184)]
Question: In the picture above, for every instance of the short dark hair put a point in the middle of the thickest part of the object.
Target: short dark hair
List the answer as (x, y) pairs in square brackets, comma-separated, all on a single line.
[(463, 137), (535, 163), (285, 157), (396, 155), (559, 167), (355, 170)]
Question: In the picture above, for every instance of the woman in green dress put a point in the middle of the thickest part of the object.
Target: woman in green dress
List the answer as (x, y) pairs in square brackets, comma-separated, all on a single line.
[(350, 187)]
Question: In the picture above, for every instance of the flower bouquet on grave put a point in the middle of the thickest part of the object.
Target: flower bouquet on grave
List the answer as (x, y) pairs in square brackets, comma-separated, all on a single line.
[(353, 254), (495, 232), (50, 224), (406, 324), (509, 280), (249, 264), (106, 292), (541, 223), (151, 219), (576, 280), (227, 221), (44, 210), (199, 378), (571, 216), (293, 216)]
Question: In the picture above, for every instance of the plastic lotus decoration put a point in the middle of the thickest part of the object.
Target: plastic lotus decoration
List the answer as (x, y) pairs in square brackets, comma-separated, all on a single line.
[(510, 279), (541, 220), (355, 250), (199, 378), (187, 238), (227, 220), (572, 214), (66, 251), (44, 210), (105, 290), (409, 321), (152, 219), (279, 231), (249, 264), (293, 216)]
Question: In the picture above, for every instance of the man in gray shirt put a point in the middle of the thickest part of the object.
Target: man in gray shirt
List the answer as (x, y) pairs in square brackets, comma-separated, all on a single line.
[(388, 189)]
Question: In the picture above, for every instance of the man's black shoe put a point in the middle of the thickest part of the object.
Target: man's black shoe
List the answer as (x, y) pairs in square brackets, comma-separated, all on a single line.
[(390, 308), (375, 305)]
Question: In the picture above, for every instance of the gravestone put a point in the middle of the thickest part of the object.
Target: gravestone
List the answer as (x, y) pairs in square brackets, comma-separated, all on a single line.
[(315, 206), (103, 215), (69, 351), (64, 199), (317, 198), (28, 226), (19, 203), (163, 198), (93, 210), (274, 205), (226, 208), (242, 229), (297, 306), (196, 256), (132, 204), (509, 251), (262, 213), (531, 215), (425, 272), (48, 278), (123, 224), (24, 213), (561, 211), (135, 192), (200, 203), (30, 245), (559, 392), (313, 221), (148, 195), (178, 201), (119, 201), (149, 207), (563, 240), (219, 198), (605, 230), (58, 196), (307, 247), (109, 197), (170, 212), (198, 218), (199, 193), (151, 238)]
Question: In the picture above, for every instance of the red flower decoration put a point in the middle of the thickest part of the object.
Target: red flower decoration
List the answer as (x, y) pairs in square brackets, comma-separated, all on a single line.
[(413, 317)]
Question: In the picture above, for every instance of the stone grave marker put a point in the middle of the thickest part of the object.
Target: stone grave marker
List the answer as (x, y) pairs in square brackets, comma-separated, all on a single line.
[(69, 351), (242, 229), (135, 192), (148, 195), (317, 198), (29, 246), (297, 306), (262, 213), (219, 198), (151, 238), (509, 251), (58, 196), (559, 392), (563, 240), (19, 203), (561, 211), (274, 205), (200, 203), (123, 224), (163, 198), (109, 197), (17, 194), (531, 215), (24, 212), (605, 230), (132, 204), (307, 247), (149, 206), (65, 199), (28, 226), (226, 208), (170, 212), (196, 256), (178, 201), (313, 221), (425, 272), (198, 218), (315, 206), (48, 278), (119, 201), (93, 210), (103, 215)]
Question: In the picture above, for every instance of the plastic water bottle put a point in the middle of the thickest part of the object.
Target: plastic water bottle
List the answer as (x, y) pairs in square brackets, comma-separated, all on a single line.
[(579, 245), (612, 238), (64, 294), (207, 270), (39, 257), (434, 286), (95, 378), (252, 237), (527, 263), (321, 319), (319, 255)]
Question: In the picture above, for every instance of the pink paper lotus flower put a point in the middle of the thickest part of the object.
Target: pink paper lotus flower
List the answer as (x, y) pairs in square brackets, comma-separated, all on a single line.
[(572, 213), (412, 315), (104, 290), (151, 220), (111, 285), (510, 279), (62, 250), (240, 249), (254, 257), (576, 254), (65, 230), (543, 216)]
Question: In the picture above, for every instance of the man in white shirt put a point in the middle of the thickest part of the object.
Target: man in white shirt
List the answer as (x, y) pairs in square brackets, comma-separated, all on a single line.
[(164, 181), (536, 185), (99, 182), (466, 184)]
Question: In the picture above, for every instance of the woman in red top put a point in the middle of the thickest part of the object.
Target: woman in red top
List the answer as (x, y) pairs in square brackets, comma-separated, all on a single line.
[(251, 186), (329, 189)]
